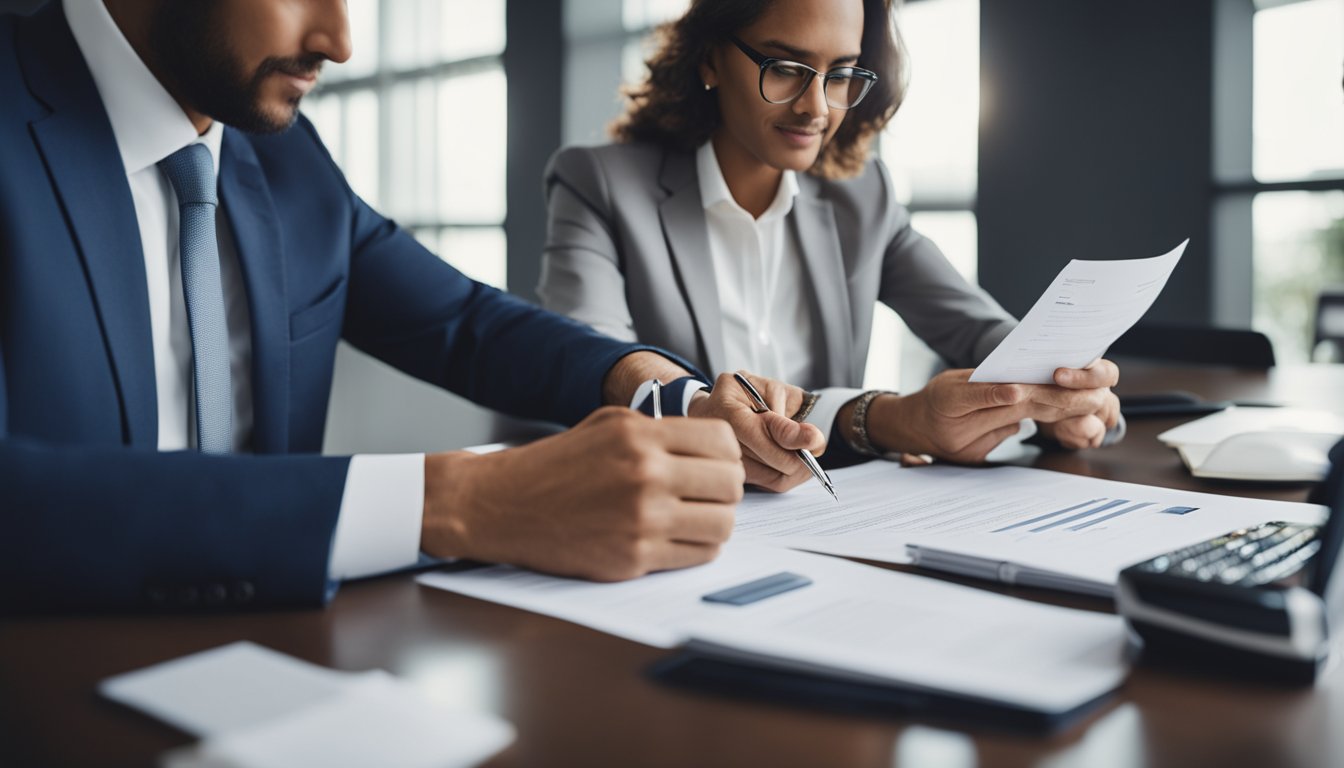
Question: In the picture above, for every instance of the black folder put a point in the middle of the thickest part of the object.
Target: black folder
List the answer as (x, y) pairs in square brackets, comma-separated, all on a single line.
[(695, 671)]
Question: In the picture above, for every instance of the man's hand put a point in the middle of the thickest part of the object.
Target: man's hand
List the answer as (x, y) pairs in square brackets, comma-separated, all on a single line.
[(961, 421), (616, 497), (770, 438), (1088, 385)]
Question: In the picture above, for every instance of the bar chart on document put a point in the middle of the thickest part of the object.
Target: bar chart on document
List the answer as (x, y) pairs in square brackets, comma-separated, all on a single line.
[(1088, 514), (1076, 525)]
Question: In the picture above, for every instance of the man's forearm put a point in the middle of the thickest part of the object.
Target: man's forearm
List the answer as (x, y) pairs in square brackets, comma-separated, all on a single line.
[(635, 369)]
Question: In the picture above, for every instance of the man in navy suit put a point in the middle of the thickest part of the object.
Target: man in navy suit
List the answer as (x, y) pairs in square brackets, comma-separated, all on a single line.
[(172, 291)]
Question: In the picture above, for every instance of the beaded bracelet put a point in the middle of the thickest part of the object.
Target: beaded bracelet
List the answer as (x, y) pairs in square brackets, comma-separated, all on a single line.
[(860, 442)]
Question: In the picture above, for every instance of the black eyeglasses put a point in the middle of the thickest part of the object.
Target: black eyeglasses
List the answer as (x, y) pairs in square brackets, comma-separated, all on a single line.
[(782, 80)]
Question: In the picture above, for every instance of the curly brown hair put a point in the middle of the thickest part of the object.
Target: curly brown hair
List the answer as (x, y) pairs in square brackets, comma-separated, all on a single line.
[(672, 109)]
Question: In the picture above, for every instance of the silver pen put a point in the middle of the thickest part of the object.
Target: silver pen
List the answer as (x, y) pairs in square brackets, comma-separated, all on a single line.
[(656, 391), (807, 458)]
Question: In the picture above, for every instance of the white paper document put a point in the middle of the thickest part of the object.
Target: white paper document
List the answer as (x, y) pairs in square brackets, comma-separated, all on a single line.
[(1010, 524), (652, 610), (256, 708), (853, 621), (1089, 305), (247, 685)]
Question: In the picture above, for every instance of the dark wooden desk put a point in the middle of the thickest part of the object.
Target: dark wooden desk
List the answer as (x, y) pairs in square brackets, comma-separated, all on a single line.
[(581, 698)]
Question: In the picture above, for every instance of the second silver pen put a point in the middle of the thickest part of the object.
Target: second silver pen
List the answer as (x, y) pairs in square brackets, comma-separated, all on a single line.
[(807, 458)]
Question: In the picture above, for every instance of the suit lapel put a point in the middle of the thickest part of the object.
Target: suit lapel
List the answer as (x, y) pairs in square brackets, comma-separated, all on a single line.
[(819, 244), (256, 232), (687, 235), (82, 158)]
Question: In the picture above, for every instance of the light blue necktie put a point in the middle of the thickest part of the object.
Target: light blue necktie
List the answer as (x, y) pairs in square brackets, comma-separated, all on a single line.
[(191, 171)]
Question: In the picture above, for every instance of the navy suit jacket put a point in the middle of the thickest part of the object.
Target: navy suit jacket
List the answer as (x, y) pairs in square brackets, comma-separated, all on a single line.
[(91, 515)]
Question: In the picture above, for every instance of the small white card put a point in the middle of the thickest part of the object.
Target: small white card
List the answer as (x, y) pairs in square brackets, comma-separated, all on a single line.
[(257, 708), (226, 688), (375, 721)]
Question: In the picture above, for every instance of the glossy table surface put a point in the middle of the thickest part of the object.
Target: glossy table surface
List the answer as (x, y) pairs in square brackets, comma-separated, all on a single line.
[(579, 697)]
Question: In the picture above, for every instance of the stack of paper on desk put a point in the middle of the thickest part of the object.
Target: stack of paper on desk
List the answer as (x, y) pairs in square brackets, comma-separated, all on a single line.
[(853, 622), (1011, 524), (256, 708)]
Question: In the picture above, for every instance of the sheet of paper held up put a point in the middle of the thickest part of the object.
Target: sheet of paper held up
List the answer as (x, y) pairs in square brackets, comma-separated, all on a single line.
[(1089, 305)]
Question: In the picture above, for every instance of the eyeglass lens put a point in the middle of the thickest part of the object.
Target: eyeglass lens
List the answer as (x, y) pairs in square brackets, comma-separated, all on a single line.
[(783, 81)]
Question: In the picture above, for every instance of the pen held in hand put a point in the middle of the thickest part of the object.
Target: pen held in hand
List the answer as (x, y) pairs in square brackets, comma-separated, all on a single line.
[(806, 457)]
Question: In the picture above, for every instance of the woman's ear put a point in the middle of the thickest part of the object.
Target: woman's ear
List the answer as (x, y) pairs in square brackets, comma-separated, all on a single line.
[(709, 75)]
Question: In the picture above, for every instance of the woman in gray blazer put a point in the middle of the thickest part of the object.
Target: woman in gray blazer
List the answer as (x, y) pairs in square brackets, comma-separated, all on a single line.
[(739, 221)]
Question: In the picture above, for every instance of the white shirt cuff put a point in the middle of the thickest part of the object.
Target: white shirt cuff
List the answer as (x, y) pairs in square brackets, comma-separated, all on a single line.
[(686, 394), (829, 402), (379, 525)]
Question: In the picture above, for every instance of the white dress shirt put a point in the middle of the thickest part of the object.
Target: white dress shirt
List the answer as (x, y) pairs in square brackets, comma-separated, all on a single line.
[(379, 524), (767, 323), (768, 327)]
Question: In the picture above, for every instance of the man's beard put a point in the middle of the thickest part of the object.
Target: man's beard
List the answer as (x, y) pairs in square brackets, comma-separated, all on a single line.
[(193, 55)]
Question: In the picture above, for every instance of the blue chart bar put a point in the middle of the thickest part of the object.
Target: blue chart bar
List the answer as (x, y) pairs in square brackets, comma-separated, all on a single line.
[(1081, 515), (1104, 518), (1035, 520)]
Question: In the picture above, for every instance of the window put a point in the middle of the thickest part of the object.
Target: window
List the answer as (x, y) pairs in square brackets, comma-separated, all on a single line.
[(1281, 179), (643, 15), (639, 18), (1298, 119), (931, 148), (417, 121), (1298, 250)]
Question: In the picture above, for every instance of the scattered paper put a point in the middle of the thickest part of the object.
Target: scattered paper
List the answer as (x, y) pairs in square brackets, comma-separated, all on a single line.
[(375, 721), (854, 621), (651, 610), (226, 688), (257, 708), (1082, 527)]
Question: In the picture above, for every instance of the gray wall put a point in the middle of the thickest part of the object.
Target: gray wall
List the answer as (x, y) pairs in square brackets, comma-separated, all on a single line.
[(1095, 142)]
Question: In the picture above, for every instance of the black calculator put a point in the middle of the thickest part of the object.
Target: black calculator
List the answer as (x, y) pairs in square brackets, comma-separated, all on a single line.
[(1257, 602), (1266, 554)]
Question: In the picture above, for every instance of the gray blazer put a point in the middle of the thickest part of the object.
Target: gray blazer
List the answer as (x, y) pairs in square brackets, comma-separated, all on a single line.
[(627, 251)]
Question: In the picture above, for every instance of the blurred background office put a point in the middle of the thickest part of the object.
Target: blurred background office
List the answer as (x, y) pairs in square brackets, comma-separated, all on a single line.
[(1035, 131)]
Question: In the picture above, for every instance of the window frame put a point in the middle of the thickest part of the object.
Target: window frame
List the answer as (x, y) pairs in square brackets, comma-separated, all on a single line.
[(382, 82), (1234, 184)]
